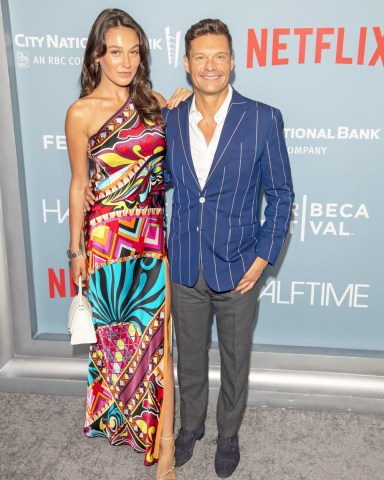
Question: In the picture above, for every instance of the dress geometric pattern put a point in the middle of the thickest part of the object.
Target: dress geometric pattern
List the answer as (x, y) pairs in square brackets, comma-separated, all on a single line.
[(126, 275)]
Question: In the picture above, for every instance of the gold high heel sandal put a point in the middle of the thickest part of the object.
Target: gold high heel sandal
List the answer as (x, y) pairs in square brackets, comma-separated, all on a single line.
[(164, 476)]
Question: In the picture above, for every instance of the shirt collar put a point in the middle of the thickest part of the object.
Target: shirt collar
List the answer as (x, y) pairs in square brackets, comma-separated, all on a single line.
[(220, 115)]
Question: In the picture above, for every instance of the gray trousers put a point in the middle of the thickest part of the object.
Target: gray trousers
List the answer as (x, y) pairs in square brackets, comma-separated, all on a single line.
[(192, 309)]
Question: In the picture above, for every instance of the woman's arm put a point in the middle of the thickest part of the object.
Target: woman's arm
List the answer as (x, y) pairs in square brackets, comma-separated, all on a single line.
[(77, 141)]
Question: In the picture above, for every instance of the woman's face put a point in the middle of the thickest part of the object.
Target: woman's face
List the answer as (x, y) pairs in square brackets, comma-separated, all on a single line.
[(122, 58)]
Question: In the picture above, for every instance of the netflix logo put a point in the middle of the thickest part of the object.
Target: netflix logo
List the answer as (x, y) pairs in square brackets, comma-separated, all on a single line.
[(60, 283), (283, 46)]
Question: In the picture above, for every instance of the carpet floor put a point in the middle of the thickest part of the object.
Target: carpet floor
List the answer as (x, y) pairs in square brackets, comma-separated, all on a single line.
[(41, 438)]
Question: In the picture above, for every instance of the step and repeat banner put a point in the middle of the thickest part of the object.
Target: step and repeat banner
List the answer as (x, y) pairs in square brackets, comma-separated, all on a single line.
[(321, 63)]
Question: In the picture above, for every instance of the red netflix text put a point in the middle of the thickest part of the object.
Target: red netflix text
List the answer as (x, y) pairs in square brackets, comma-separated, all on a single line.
[(270, 46), (60, 283)]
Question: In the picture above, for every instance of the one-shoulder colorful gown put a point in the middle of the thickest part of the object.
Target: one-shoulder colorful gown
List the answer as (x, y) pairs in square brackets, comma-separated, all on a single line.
[(127, 264)]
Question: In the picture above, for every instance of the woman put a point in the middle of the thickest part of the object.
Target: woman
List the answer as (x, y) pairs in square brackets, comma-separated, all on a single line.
[(117, 124)]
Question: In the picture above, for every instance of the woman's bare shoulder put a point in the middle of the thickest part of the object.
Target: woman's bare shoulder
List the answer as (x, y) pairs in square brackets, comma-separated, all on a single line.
[(82, 108), (82, 113)]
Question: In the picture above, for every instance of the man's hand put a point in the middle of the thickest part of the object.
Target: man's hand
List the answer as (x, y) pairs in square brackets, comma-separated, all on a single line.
[(252, 276), (89, 198)]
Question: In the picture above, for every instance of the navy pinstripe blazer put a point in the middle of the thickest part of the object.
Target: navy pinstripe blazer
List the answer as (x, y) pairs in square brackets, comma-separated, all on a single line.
[(218, 227)]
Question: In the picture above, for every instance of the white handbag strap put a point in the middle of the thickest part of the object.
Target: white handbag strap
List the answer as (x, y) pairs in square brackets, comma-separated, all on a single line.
[(80, 292)]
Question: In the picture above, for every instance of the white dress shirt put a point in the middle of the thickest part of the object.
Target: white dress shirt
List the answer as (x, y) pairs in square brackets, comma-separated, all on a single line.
[(202, 154)]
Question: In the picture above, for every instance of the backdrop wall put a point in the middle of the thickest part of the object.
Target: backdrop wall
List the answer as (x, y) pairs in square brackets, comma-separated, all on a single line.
[(321, 63)]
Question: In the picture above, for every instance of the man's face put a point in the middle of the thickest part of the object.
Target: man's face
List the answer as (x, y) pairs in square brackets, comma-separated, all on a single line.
[(209, 64)]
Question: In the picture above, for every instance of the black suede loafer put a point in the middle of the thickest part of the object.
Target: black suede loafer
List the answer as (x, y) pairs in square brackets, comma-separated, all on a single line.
[(227, 455), (185, 443)]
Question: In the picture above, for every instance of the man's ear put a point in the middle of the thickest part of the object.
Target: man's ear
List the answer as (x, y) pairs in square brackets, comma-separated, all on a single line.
[(186, 63)]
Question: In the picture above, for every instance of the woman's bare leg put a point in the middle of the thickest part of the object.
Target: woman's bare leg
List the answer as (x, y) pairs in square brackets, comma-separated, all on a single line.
[(167, 444)]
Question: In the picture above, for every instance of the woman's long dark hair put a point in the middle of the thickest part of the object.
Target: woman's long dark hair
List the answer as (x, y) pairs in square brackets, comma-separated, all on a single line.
[(140, 87)]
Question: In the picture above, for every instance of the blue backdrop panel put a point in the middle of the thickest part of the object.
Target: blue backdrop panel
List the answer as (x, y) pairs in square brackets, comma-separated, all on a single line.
[(321, 63)]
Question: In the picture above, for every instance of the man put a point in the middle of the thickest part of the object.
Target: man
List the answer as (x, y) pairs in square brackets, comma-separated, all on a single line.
[(223, 150)]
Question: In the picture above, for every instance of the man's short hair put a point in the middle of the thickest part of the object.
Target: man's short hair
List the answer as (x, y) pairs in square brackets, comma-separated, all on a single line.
[(208, 26)]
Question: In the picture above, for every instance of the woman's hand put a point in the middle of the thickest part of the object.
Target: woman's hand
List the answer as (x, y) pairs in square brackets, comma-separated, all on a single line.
[(178, 96), (89, 198), (78, 267)]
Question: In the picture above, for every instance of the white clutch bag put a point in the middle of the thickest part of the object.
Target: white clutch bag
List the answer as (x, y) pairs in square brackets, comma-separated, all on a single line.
[(80, 323)]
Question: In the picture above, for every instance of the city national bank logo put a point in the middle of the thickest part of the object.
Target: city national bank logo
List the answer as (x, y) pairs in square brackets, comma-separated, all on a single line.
[(326, 219), (173, 46), (49, 41), (283, 46), (172, 42), (24, 58), (324, 134)]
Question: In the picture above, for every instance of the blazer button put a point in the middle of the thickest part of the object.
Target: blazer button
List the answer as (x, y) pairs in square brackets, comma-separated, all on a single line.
[(201, 199)]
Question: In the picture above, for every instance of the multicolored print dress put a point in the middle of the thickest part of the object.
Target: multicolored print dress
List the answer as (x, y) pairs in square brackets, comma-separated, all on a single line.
[(127, 277)]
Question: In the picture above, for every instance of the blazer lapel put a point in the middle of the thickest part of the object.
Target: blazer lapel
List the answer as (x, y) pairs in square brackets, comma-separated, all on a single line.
[(183, 119), (236, 117)]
